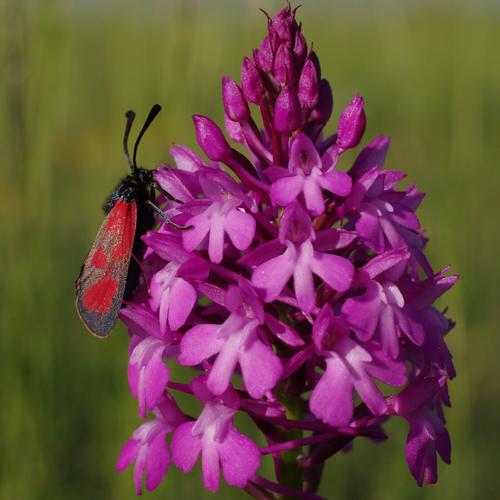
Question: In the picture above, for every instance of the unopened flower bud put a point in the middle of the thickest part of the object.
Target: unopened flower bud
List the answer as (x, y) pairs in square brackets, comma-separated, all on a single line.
[(235, 104), (284, 24), (314, 58), (324, 107), (300, 48), (287, 112), (284, 67), (251, 82), (264, 55), (211, 139), (352, 124), (308, 85)]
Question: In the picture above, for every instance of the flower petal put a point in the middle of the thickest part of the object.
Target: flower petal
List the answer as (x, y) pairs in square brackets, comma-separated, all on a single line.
[(240, 227), (240, 458), (185, 447), (338, 183), (157, 461), (223, 368), (331, 400), (272, 276), (182, 301), (210, 465), (128, 454), (260, 366), (216, 238), (199, 343), (304, 286), (335, 270), (193, 237), (313, 195), (285, 190)]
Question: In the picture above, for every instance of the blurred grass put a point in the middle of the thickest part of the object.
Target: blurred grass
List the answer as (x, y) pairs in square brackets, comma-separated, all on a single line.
[(71, 69)]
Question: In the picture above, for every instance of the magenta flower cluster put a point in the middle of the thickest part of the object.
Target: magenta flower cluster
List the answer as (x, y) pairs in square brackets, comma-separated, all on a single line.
[(299, 293)]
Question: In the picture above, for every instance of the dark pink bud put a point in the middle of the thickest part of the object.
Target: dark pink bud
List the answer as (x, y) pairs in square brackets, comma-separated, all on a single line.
[(314, 58), (284, 67), (234, 103), (352, 124), (308, 85), (287, 112), (323, 109), (251, 82), (300, 48), (284, 24), (264, 55), (211, 139)]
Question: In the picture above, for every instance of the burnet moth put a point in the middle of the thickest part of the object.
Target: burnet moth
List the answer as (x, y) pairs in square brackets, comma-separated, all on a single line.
[(109, 273)]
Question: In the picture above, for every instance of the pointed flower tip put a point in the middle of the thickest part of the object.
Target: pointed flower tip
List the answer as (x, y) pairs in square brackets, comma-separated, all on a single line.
[(287, 112), (352, 124), (251, 81), (235, 105), (308, 85), (211, 139)]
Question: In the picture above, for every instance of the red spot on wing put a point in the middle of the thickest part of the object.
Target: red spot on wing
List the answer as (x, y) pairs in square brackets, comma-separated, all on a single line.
[(99, 259), (99, 297)]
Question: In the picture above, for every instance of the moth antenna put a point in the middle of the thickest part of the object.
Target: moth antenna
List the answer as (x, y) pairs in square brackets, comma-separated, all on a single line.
[(152, 114), (159, 211), (129, 115)]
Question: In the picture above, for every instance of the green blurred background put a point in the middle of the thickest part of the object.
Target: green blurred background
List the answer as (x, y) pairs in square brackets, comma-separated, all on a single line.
[(430, 74)]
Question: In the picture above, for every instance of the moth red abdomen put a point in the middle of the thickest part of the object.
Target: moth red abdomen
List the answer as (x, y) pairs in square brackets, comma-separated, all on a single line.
[(108, 273)]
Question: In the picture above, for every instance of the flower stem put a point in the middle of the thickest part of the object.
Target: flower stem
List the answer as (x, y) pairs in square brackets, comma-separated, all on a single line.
[(290, 474)]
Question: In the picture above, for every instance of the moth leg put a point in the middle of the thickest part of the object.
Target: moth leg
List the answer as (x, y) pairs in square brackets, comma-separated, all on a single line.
[(165, 218)]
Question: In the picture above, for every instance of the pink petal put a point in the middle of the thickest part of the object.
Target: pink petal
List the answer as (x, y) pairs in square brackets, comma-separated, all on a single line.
[(155, 379), (240, 458), (370, 394), (303, 154), (363, 311), (199, 343), (386, 261), (410, 324), (185, 159), (373, 155), (313, 196), (182, 300), (240, 227), (140, 463), (284, 332), (210, 465), (368, 227), (262, 253), (223, 368), (273, 275), (335, 270), (304, 286), (216, 238), (333, 239), (286, 190), (193, 237), (338, 183), (260, 366), (274, 173), (388, 332), (331, 400), (185, 447), (128, 454), (164, 296), (157, 461)]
